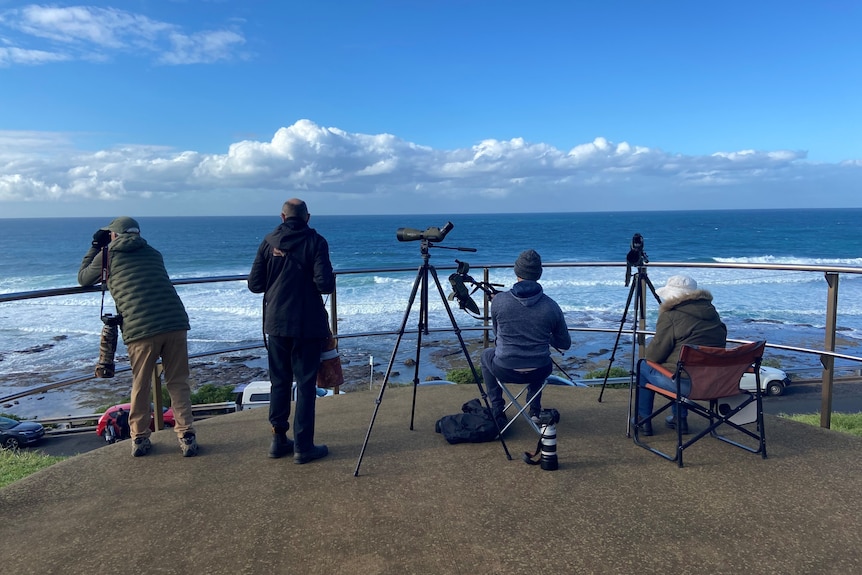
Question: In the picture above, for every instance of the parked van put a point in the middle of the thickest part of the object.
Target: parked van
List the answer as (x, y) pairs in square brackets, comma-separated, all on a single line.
[(256, 394)]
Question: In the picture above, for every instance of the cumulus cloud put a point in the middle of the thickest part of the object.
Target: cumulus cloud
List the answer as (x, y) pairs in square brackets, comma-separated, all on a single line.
[(497, 174), (38, 34)]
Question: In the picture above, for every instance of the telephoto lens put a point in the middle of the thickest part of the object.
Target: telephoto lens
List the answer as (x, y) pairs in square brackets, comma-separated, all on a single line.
[(108, 346)]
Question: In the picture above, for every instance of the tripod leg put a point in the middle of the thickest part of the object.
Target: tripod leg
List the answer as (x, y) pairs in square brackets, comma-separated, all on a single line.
[(651, 287), (423, 329), (639, 313), (466, 352), (632, 291), (416, 283)]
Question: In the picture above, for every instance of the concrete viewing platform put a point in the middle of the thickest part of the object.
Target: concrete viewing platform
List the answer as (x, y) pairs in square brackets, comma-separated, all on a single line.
[(420, 505)]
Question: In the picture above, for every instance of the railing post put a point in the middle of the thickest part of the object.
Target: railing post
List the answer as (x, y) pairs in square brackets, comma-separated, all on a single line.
[(157, 397), (486, 308), (828, 362), (333, 309), (333, 325)]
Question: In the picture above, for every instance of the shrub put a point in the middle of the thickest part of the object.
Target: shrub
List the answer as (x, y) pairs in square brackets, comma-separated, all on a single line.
[(615, 372), (462, 375), (209, 393)]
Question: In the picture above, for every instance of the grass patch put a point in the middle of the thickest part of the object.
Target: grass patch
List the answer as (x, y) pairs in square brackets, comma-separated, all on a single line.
[(844, 422), (17, 464)]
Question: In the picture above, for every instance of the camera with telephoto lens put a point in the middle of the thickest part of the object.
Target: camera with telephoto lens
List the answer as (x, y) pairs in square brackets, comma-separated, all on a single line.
[(636, 257), (462, 293), (546, 450), (549, 417), (108, 345)]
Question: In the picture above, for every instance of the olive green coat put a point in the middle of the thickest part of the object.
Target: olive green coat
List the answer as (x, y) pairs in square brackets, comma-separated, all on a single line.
[(140, 285), (688, 319)]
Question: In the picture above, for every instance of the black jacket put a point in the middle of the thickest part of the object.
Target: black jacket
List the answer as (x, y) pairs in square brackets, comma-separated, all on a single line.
[(292, 270)]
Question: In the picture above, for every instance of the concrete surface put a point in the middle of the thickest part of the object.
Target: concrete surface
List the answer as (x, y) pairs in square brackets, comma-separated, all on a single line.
[(420, 505)]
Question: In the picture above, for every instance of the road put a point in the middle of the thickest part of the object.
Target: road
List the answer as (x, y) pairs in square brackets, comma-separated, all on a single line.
[(69, 444), (798, 398), (805, 398)]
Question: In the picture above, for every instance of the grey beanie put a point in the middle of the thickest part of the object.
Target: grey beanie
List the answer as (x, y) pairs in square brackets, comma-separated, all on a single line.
[(528, 266)]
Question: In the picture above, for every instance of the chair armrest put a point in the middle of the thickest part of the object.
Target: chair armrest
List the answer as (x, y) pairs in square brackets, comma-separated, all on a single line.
[(660, 368)]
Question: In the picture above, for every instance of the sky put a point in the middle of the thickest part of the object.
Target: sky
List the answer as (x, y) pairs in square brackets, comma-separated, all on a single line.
[(230, 107)]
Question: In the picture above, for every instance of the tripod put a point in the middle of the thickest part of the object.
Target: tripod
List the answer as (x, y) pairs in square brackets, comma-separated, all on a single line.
[(420, 286), (640, 281)]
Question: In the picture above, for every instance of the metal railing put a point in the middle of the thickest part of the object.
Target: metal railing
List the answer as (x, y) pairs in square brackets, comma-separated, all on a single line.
[(827, 355), (82, 423)]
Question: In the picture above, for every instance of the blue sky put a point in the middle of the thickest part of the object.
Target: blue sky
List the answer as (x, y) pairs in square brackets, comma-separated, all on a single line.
[(147, 107)]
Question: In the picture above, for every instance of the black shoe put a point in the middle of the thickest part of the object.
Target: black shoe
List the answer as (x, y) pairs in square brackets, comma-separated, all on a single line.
[(645, 428), (502, 420), (670, 422), (316, 452), (280, 445)]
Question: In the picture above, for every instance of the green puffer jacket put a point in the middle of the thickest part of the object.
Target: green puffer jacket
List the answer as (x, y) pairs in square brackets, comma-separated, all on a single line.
[(688, 319), (140, 286)]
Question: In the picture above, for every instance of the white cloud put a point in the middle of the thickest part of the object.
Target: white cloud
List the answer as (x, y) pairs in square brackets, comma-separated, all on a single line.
[(46, 34), (12, 56), (37, 167)]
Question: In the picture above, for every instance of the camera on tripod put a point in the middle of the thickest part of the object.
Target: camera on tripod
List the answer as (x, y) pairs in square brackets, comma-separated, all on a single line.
[(108, 345), (460, 292), (432, 234), (636, 257)]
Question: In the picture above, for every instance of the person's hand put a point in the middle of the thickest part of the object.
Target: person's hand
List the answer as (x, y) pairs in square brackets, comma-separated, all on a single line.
[(101, 238)]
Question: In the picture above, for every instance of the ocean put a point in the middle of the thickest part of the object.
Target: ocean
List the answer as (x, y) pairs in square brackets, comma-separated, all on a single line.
[(58, 337)]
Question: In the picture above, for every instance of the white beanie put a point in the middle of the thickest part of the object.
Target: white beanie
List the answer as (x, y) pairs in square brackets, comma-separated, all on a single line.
[(676, 286)]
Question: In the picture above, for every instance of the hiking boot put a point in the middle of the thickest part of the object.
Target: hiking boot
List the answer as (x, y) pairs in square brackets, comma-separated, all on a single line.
[(141, 447), (280, 445), (671, 422), (644, 428), (188, 444), (316, 452)]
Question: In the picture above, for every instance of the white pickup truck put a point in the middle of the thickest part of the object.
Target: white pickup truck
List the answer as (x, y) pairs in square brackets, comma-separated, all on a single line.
[(772, 381)]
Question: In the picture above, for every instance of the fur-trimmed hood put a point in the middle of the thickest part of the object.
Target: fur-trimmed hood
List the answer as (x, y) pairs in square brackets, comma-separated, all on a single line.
[(696, 295)]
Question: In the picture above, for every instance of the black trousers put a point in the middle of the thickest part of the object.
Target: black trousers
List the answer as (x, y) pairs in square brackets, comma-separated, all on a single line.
[(491, 372), (294, 359)]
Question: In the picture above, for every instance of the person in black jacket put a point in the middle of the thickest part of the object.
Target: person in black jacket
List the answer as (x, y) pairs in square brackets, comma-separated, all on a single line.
[(292, 269)]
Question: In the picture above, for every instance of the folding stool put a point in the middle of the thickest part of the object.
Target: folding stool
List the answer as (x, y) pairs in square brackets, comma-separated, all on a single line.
[(515, 396)]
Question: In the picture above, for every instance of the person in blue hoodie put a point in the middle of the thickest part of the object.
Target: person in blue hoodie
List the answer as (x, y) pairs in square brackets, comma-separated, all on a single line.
[(526, 322)]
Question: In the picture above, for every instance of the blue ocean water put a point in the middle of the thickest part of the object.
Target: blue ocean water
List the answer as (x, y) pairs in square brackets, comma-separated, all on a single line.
[(786, 308)]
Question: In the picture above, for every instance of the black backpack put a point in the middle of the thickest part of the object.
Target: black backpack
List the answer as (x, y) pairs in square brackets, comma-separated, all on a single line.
[(474, 425)]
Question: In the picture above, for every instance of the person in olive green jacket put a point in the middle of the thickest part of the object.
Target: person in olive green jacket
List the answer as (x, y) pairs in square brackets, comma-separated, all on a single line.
[(686, 316), (154, 325)]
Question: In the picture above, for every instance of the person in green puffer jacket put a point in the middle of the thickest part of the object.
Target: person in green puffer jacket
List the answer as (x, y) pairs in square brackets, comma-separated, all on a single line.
[(154, 325)]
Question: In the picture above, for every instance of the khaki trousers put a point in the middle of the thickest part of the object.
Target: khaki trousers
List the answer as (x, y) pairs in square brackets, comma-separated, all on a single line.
[(172, 348)]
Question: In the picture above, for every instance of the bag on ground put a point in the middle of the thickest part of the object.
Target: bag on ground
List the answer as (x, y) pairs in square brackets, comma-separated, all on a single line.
[(474, 425)]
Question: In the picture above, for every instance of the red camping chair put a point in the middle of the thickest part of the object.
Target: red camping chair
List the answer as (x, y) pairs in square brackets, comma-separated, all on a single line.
[(715, 395)]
